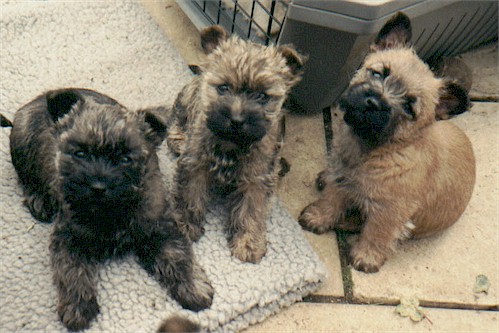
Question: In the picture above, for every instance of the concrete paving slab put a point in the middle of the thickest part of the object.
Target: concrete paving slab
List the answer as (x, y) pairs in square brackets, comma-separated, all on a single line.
[(305, 150), (310, 317), (443, 269), (326, 247)]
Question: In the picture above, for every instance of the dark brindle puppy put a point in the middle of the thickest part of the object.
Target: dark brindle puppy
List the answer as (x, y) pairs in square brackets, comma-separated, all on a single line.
[(397, 172), (90, 164), (226, 127)]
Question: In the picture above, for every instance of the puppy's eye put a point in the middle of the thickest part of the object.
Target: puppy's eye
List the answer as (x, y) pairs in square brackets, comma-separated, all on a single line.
[(409, 107), (80, 154), (261, 97), (380, 75), (376, 74), (125, 160), (223, 89)]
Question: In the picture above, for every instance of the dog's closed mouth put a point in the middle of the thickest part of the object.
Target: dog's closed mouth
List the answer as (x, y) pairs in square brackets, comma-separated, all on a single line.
[(242, 133)]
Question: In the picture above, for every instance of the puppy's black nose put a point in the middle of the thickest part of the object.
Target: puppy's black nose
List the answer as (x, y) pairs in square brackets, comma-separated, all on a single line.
[(236, 123), (98, 187), (372, 102)]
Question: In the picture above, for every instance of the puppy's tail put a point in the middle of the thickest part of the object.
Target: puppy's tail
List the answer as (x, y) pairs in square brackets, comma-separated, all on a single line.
[(5, 122), (177, 324)]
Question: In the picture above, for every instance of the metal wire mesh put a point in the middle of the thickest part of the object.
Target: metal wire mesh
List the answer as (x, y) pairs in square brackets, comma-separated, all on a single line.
[(257, 20)]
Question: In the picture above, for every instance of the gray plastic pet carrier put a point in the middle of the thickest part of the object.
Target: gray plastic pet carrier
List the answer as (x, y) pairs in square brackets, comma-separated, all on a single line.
[(336, 34)]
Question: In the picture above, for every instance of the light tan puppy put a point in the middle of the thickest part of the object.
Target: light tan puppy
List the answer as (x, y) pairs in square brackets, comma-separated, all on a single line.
[(397, 173)]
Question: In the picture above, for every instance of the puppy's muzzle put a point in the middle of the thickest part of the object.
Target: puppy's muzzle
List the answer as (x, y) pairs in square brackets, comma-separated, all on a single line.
[(242, 127), (98, 188), (366, 112), (364, 98)]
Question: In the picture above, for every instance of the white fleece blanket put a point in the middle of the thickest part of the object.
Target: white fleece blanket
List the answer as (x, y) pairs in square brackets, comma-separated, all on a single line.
[(117, 49)]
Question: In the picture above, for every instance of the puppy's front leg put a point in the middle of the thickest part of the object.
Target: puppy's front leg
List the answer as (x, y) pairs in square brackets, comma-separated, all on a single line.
[(41, 205), (246, 226), (177, 126), (74, 277), (176, 139), (384, 226), (326, 212), (169, 257), (191, 194)]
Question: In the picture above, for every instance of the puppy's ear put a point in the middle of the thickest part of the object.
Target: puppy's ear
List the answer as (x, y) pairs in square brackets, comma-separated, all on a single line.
[(4, 121), (211, 38), (60, 102), (195, 69), (453, 100), (294, 60), (155, 119), (397, 32)]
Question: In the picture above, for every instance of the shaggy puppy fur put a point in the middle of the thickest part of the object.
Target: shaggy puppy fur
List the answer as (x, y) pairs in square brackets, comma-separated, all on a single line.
[(227, 130), (397, 172), (177, 324), (90, 165)]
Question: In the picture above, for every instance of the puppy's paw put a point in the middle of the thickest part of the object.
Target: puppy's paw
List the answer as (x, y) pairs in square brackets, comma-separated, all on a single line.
[(177, 323), (176, 142), (77, 316), (197, 294), (41, 208), (366, 258), (312, 219), (248, 249), (191, 231)]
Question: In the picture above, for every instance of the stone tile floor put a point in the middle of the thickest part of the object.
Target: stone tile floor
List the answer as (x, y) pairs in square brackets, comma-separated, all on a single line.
[(439, 271)]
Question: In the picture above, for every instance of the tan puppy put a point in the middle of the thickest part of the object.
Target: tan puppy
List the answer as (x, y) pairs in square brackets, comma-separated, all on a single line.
[(397, 173)]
